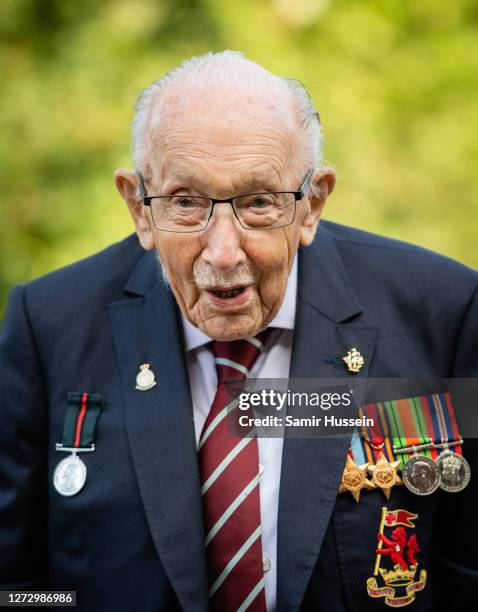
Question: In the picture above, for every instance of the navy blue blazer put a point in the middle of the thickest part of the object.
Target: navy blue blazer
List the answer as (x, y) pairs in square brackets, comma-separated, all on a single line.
[(133, 537)]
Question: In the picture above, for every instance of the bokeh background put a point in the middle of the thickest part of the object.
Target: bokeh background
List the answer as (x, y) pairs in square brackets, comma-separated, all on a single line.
[(395, 81)]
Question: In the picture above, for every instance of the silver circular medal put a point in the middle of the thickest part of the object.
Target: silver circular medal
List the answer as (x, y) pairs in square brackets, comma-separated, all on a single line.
[(454, 471), (70, 475), (421, 475)]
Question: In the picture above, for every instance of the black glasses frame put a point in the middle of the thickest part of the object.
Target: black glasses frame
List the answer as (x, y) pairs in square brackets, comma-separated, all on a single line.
[(298, 195)]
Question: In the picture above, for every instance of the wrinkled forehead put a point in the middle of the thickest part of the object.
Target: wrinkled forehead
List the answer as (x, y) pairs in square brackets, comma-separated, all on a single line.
[(221, 126)]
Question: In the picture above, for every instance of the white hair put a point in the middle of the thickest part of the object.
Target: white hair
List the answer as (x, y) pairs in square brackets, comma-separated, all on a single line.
[(218, 69)]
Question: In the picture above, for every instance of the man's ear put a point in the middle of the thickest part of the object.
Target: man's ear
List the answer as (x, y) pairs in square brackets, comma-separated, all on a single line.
[(127, 184), (322, 184)]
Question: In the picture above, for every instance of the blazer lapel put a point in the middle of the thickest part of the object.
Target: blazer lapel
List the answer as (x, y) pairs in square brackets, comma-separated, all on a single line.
[(161, 430), (312, 467)]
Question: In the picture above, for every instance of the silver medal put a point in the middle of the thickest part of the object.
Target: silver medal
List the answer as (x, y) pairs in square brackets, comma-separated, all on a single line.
[(70, 475), (454, 471), (421, 475)]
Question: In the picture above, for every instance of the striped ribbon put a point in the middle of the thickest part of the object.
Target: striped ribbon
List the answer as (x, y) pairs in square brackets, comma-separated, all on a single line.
[(440, 419), (376, 437), (80, 419), (406, 423)]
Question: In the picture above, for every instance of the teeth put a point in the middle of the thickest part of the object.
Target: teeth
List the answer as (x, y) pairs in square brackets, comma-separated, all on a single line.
[(228, 294)]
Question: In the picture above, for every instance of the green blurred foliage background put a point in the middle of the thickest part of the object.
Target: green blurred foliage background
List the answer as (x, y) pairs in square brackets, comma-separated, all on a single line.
[(395, 81)]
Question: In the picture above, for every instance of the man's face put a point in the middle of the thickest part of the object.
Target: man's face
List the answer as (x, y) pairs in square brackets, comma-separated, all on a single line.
[(228, 281)]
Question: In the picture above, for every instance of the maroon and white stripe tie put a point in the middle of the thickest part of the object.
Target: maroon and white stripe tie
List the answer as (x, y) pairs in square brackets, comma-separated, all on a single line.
[(229, 470)]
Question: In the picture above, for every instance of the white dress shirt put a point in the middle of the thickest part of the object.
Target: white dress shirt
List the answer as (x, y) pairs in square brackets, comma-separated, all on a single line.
[(273, 362)]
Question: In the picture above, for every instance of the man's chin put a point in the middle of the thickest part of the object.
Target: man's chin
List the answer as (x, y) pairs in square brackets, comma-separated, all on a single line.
[(230, 327)]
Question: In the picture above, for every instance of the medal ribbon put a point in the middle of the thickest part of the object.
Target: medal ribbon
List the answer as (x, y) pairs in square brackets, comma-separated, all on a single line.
[(411, 422), (80, 420), (407, 422), (439, 415), (408, 426), (376, 437)]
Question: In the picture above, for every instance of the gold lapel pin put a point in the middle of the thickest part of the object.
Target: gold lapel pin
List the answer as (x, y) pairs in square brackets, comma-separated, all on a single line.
[(353, 360), (145, 380)]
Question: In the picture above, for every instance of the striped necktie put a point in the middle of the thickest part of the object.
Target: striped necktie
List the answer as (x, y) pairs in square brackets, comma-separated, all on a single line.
[(229, 471)]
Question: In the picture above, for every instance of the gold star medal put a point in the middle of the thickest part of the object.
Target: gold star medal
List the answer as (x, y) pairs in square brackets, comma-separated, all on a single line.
[(384, 474), (354, 479)]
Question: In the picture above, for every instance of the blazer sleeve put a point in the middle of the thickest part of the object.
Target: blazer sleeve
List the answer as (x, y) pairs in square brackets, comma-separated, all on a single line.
[(23, 453), (456, 533)]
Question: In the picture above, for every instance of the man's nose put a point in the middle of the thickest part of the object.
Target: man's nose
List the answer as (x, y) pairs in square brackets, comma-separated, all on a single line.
[(223, 239)]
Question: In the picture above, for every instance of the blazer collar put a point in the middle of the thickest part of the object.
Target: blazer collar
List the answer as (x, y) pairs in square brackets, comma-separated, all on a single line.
[(145, 274), (323, 279)]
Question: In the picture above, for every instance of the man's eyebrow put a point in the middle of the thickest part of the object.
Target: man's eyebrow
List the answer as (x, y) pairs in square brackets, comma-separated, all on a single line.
[(251, 184), (183, 174), (260, 183)]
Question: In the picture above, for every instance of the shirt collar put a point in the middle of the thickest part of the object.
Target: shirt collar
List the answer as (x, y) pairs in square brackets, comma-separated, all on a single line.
[(194, 337)]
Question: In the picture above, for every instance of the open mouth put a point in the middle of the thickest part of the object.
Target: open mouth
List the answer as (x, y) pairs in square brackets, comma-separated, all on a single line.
[(230, 293), (233, 297)]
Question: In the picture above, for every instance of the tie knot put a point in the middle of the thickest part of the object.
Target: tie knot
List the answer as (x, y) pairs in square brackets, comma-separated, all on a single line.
[(234, 359)]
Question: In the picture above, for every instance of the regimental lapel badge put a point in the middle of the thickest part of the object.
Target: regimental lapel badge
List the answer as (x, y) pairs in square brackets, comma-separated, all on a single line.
[(384, 474), (354, 479), (398, 583), (353, 360), (82, 414), (145, 379)]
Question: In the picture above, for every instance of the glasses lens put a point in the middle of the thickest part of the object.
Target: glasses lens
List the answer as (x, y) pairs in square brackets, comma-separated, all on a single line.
[(181, 213), (265, 210)]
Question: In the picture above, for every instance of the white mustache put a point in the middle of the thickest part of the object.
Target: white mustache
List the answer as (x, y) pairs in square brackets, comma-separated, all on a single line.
[(206, 276)]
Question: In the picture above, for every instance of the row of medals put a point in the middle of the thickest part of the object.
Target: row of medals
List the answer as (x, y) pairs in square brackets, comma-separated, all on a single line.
[(421, 475)]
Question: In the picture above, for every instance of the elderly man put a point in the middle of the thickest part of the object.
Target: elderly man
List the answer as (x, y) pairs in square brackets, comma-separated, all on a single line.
[(119, 478)]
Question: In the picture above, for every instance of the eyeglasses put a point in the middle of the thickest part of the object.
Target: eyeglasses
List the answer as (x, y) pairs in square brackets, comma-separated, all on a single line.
[(185, 213)]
